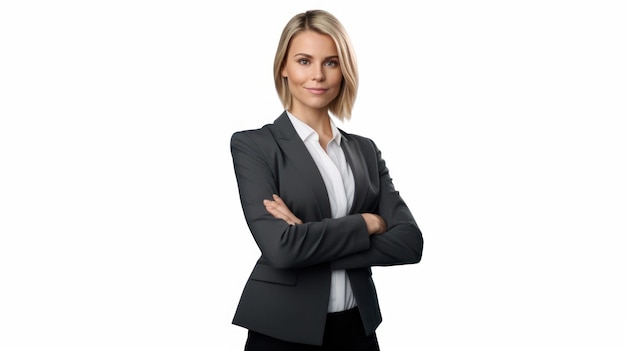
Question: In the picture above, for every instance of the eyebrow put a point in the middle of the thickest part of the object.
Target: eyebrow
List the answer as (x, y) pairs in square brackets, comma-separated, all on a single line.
[(310, 56)]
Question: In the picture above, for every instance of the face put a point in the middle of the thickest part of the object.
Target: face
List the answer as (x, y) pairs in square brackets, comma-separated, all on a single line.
[(312, 71)]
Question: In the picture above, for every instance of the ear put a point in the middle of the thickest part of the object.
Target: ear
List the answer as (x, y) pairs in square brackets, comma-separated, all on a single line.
[(284, 73)]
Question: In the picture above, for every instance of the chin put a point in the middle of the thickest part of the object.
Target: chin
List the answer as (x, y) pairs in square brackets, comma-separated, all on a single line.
[(319, 104)]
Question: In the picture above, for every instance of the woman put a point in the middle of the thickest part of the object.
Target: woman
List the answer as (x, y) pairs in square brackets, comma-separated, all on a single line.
[(319, 203)]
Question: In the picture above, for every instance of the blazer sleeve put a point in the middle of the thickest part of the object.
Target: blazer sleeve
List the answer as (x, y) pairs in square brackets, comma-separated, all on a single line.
[(402, 243), (283, 245)]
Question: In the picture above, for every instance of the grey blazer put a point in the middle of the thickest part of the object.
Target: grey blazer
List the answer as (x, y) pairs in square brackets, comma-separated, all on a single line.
[(286, 295)]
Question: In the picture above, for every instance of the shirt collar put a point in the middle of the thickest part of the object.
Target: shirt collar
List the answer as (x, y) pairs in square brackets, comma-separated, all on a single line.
[(305, 132)]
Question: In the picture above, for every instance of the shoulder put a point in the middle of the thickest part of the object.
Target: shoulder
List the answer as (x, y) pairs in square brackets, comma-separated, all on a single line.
[(251, 134), (253, 141), (263, 139), (268, 132), (264, 132)]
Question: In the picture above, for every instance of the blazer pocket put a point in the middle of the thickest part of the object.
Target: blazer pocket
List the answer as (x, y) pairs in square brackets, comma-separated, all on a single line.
[(269, 274)]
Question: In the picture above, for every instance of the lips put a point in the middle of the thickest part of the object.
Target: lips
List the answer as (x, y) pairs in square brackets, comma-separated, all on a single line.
[(316, 91)]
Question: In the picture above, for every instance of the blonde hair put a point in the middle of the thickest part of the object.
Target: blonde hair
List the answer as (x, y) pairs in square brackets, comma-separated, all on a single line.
[(321, 22)]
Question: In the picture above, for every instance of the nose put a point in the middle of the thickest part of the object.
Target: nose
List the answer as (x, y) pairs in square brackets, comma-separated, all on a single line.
[(318, 74)]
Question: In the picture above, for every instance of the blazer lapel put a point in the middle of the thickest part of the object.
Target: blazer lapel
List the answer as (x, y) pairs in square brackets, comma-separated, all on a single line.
[(359, 170), (296, 152)]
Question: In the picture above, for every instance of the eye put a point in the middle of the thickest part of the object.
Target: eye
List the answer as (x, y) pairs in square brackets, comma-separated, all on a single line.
[(331, 63), (303, 61)]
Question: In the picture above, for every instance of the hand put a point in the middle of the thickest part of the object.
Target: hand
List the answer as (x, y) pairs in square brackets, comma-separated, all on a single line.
[(278, 209), (375, 223)]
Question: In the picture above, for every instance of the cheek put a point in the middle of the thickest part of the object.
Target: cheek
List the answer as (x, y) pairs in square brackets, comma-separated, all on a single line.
[(291, 87), (294, 75), (337, 78)]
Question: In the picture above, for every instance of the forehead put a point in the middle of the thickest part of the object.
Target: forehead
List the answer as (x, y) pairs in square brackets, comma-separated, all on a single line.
[(312, 43)]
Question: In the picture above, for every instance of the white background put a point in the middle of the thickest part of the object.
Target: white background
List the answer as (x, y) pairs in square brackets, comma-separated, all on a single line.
[(502, 123)]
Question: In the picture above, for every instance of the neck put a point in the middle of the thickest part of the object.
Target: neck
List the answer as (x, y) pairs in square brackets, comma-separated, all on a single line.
[(319, 121)]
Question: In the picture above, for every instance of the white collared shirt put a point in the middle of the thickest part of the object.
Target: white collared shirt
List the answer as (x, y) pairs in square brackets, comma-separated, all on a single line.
[(339, 183)]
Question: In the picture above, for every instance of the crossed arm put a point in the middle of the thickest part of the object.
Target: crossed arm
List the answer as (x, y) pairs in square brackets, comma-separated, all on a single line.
[(286, 242), (277, 208)]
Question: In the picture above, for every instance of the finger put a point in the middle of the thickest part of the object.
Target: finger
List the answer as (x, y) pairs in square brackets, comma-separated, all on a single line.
[(284, 210), (279, 210), (279, 200), (278, 204), (277, 214), (273, 205)]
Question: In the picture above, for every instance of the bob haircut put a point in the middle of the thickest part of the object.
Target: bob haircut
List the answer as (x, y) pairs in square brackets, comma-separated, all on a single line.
[(321, 22)]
